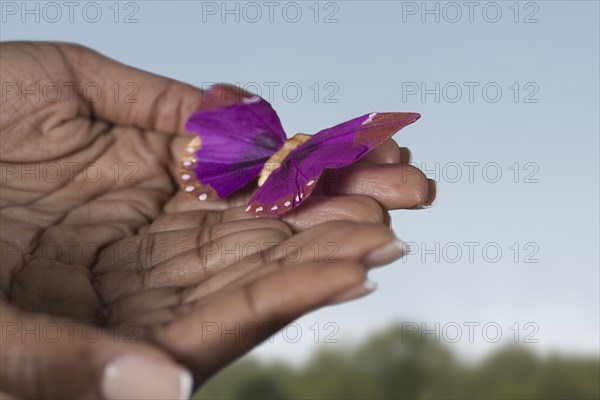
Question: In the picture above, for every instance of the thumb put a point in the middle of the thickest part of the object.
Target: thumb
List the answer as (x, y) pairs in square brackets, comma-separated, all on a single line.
[(153, 101), (48, 357)]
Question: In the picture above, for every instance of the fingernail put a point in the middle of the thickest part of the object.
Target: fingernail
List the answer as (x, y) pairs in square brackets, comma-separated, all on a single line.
[(405, 155), (431, 193), (356, 292), (387, 219), (138, 377), (385, 254)]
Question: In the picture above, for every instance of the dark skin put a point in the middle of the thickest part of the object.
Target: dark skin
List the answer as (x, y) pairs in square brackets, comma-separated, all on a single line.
[(129, 249)]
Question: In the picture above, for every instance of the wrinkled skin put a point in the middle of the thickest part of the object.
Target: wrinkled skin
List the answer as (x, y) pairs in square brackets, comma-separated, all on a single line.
[(95, 231)]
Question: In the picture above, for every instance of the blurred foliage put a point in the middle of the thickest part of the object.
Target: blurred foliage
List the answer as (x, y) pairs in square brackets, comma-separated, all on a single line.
[(394, 365)]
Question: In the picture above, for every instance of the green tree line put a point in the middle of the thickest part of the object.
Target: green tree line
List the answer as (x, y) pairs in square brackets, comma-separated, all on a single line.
[(393, 365)]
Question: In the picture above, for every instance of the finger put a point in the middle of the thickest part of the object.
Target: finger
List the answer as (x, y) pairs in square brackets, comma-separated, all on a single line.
[(329, 243), (316, 210), (320, 209), (387, 219), (147, 250), (394, 186), (405, 155), (267, 304), (386, 153), (40, 354), (255, 311), (333, 242), (190, 267), (156, 103)]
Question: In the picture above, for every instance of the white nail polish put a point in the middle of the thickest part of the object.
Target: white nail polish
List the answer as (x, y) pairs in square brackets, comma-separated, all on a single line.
[(356, 292), (431, 195), (138, 377), (385, 254)]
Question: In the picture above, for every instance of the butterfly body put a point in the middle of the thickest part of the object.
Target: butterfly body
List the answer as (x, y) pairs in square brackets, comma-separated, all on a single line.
[(237, 143), (279, 157)]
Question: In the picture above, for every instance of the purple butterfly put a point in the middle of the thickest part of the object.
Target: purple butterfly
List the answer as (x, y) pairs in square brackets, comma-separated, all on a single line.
[(244, 140)]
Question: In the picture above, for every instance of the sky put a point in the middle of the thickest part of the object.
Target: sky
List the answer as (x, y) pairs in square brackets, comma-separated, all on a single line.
[(509, 97)]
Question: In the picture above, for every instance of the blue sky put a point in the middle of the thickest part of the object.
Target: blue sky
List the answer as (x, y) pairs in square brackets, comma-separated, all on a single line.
[(514, 93)]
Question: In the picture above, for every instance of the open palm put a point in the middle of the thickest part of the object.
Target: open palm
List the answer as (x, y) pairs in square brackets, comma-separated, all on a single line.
[(139, 283)]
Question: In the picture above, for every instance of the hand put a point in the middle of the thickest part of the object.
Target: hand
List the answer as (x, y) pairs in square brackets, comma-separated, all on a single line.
[(114, 283)]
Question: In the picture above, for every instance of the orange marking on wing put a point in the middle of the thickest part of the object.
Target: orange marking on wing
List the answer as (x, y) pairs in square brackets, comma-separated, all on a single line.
[(187, 177)]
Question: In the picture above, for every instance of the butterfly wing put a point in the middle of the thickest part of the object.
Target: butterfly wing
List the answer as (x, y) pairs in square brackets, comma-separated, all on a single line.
[(231, 146), (290, 184)]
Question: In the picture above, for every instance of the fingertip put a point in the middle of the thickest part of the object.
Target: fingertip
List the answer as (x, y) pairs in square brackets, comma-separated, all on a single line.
[(385, 153), (133, 376), (385, 254), (405, 155), (429, 199), (321, 209), (363, 289)]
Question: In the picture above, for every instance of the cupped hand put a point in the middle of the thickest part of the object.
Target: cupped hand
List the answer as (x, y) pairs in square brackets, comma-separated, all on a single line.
[(114, 283)]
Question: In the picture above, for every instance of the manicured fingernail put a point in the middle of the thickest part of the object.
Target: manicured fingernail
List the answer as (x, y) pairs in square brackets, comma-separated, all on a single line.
[(385, 254), (138, 377), (354, 293), (405, 155), (431, 193)]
